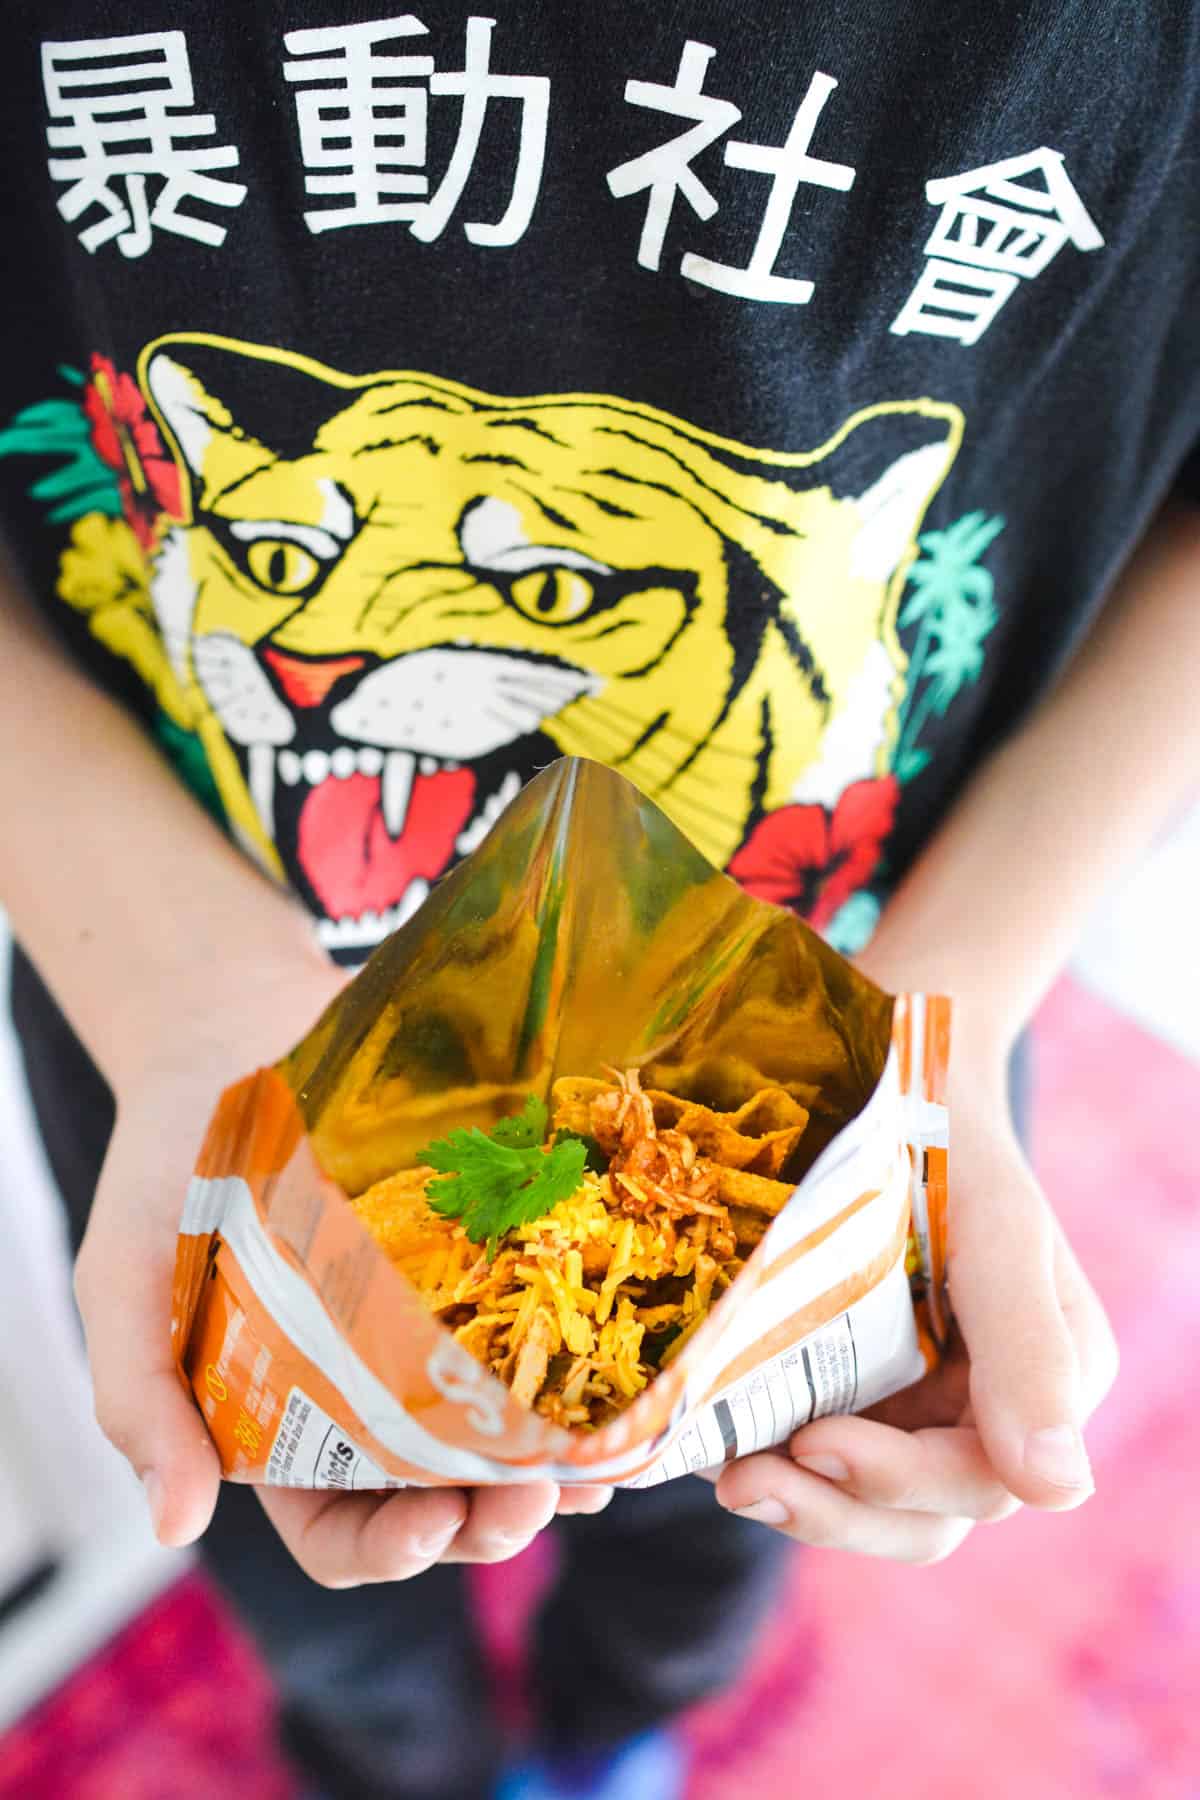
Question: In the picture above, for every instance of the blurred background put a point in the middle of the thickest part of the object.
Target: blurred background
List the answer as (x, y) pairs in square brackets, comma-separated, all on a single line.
[(1057, 1656)]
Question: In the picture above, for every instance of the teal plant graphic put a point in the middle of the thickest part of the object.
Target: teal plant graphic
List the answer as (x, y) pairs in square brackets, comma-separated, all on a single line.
[(853, 925), (950, 602), (81, 482)]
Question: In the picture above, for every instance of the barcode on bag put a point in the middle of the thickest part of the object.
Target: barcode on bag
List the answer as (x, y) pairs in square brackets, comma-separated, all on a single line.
[(311, 1451), (806, 1382)]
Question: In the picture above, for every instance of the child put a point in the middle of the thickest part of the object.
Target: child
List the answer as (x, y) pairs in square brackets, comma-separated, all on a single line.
[(764, 402)]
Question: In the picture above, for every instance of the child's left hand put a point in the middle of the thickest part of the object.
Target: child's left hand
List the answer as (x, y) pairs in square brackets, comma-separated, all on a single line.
[(999, 1423)]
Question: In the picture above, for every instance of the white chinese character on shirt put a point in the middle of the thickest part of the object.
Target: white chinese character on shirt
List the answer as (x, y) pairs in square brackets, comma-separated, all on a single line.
[(120, 106), (667, 170), (477, 85), (359, 118), (363, 117), (994, 230)]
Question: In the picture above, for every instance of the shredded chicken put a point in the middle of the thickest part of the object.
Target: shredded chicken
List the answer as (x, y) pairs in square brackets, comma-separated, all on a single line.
[(648, 1168), (533, 1357)]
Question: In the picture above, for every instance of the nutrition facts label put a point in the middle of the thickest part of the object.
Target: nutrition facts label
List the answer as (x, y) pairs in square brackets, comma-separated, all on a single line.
[(806, 1382), (310, 1451)]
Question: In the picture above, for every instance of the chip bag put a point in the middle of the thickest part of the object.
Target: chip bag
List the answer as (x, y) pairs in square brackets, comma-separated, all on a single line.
[(585, 935)]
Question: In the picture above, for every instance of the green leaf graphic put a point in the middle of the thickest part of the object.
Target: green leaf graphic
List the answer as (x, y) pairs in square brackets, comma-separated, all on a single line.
[(59, 428), (950, 601)]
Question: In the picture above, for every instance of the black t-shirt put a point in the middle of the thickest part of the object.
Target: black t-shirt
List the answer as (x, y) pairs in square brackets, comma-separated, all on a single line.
[(758, 399)]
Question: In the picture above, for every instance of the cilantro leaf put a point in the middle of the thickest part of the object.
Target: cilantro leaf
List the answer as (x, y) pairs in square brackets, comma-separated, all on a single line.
[(526, 1130), (496, 1180), (594, 1157)]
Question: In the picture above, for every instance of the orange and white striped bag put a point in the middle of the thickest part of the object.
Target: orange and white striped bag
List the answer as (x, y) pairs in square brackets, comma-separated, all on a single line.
[(586, 931)]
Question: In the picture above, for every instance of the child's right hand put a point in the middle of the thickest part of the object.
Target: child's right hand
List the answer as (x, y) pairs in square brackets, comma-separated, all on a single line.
[(180, 969), (123, 1283)]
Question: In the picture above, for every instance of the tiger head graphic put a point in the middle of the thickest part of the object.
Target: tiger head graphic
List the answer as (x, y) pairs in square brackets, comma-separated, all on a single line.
[(387, 600)]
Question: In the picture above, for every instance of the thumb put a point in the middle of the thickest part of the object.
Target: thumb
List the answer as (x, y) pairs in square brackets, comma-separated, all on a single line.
[(1025, 1376), (141, 1405)]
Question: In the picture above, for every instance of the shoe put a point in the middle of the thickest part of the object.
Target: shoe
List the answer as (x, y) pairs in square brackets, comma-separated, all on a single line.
[(650, 1767)]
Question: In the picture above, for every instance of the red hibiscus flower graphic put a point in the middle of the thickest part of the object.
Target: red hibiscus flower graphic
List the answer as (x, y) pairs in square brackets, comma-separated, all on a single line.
[(127, 439), (812, 859)]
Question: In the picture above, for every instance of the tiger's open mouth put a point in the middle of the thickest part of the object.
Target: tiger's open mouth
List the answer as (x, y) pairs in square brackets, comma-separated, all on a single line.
[(364, 828), (366, 832)]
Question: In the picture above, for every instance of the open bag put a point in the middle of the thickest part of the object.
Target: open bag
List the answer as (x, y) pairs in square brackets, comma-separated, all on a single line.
[(585, 932)]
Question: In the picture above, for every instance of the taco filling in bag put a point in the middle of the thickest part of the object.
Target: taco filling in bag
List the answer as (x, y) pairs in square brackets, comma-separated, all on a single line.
[(574, 1254)]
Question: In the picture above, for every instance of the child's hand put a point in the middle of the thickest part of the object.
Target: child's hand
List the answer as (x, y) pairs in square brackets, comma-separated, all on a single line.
[(988, 913), (1000, 1422), (123, 1283)]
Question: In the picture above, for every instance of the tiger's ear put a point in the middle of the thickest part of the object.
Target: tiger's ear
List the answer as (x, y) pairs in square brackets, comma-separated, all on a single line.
[(889, 463), (892, 510), (227, 410)]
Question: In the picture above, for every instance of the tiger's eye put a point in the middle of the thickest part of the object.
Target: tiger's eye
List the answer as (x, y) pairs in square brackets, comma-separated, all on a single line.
[(552, 596), (283, 567)]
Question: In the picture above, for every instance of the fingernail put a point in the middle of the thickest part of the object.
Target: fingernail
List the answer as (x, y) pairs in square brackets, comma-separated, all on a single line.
[(512, 1541), (1057, 1455), (765, 1512), (152, 1487), (831, 1467)]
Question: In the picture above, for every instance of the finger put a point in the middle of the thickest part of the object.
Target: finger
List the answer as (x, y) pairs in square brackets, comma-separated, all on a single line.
[(773, 1491), (502, 1521), (932, 1470), (141, 1405), (585, 1498), (348, 1540), (1095, 1342), (1025, 1375)]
